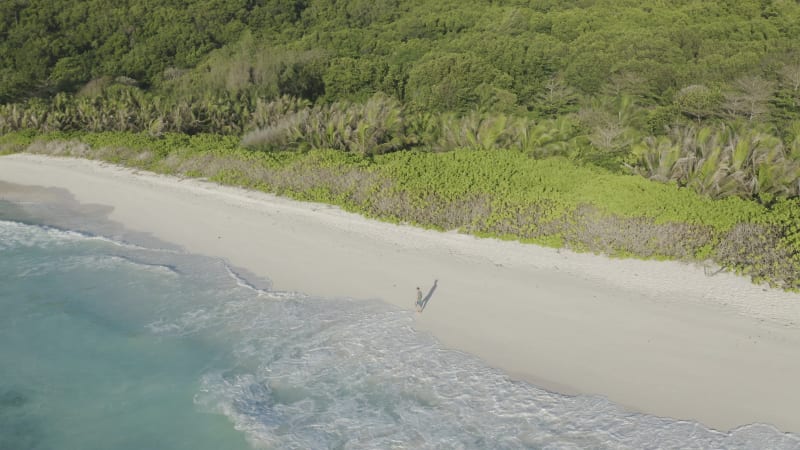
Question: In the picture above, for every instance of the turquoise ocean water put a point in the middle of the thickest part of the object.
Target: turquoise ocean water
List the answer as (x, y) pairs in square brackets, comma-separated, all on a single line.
[(109, 344)]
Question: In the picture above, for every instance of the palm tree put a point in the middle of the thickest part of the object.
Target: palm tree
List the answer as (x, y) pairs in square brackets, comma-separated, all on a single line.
[(657, 159), (478, 131), (719, 162), (550, 137)]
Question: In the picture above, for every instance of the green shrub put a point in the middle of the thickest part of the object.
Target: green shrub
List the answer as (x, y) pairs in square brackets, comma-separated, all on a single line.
[(503, 193)]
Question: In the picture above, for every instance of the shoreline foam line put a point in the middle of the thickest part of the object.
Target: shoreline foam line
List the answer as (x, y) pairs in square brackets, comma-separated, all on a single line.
[(658, 337)]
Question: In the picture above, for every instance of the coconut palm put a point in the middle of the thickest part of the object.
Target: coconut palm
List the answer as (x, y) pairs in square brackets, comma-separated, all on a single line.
[(378, 126), (479, 131), (546, 138), (719, 162), (657, 159)]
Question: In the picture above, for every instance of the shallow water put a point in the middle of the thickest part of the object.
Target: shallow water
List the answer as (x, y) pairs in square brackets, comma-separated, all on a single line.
[(106, 344)]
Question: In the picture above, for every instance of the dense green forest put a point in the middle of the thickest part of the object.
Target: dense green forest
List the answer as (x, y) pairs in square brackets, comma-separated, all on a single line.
[(701, 96)]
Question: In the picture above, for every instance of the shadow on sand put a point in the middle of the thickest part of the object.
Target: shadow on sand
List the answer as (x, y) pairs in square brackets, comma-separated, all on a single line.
[(427, 297)]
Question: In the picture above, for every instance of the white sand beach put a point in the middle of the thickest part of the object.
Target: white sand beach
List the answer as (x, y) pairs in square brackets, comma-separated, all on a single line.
[(663, 338)]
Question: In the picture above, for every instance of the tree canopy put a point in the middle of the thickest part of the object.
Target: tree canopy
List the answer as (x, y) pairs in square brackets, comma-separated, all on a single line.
[(454, 55)]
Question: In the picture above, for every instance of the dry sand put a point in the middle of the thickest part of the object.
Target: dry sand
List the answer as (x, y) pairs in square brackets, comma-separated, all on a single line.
[(663, 338)]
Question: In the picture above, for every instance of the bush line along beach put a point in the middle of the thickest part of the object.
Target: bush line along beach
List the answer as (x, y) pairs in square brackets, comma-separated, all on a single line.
[(502, 193)]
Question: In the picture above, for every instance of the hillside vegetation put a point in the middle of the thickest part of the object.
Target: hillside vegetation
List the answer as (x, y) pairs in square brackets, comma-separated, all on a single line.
[(647, 128)]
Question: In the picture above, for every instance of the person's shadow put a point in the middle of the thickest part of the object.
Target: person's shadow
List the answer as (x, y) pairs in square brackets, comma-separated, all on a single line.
[(428, 296)]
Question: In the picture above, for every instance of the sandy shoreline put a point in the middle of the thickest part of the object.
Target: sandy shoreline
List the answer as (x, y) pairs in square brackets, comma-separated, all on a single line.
[(659, 337)]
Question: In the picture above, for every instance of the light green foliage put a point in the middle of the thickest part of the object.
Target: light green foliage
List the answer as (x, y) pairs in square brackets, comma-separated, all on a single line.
[(499, 131), (719, 162), (516, 179), (382, 124), (502, 193), (374, 127), (479, 131)]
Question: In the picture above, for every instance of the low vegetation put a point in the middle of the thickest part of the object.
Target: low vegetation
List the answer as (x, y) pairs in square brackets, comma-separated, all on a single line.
[(501, 193)]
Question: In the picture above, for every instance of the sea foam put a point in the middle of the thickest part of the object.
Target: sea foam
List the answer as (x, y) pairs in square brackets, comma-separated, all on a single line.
[(289, 370)]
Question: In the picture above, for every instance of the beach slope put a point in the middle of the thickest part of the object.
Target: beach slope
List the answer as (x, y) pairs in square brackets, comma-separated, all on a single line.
[(664, 338)]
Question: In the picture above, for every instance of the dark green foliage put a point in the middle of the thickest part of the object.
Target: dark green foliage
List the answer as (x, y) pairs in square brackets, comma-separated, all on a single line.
[(451, 81), (435, 54), (698, 102), (58, 45)]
